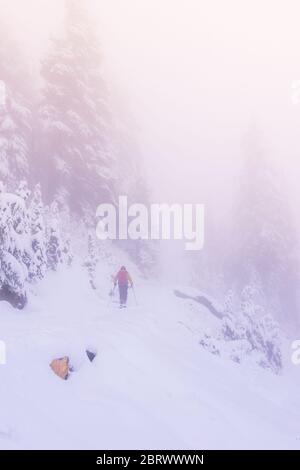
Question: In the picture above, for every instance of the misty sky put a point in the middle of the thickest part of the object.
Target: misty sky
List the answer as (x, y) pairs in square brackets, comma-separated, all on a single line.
[(195, 74)]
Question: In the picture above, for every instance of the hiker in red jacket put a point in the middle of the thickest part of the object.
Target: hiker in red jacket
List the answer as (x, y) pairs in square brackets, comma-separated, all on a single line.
[(123, 280)]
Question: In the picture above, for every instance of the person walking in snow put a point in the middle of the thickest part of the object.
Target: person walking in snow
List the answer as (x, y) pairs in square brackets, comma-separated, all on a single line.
[(123, 279)]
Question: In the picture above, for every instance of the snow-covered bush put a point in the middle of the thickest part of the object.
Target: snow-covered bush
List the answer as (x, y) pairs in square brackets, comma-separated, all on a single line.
[(13, 243), (210, 344), (30, 241), (257, 329), (247, 332)]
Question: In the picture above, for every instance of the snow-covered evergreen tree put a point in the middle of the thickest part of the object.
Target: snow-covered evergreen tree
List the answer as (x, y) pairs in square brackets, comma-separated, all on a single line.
[(31, 241), (38, 233), (75, 116), (15, 112), (92, 260), (54, 247), (263, 246), (13, 249)]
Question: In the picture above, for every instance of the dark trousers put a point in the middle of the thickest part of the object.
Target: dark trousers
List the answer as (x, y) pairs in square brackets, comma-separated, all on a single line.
[(123, 291)]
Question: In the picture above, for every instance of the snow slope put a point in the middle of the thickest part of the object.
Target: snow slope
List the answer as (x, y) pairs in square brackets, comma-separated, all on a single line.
[(151, 386)]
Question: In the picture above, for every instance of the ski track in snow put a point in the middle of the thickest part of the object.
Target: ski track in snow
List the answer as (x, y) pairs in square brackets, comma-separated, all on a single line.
[(151, 385)]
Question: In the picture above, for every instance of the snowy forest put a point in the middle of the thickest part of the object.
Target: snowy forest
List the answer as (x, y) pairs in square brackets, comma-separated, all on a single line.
[(69, 141), (63, 151)]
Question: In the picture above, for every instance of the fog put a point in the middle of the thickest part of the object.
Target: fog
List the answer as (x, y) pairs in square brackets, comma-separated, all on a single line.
[(194, 75)]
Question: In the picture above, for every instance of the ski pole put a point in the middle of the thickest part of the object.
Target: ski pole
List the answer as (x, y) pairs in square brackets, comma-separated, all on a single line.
[(136, 302)]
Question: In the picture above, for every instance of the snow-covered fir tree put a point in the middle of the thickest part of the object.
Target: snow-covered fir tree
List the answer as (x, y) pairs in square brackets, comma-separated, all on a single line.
[(92, 260), (54, 248), (14, 248), (75, 116), (38, 232), (263, 245), (31, 241), (15, 111)]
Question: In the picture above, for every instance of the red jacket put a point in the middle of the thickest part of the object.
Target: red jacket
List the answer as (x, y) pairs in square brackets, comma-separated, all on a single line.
[(123, 278)]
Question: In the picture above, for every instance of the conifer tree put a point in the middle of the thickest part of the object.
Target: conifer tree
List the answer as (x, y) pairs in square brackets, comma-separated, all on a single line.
[(75, 116), (264, 241), (15, 112)]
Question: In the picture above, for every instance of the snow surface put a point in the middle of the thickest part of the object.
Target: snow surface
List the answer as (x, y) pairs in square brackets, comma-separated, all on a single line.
[(151, 386)]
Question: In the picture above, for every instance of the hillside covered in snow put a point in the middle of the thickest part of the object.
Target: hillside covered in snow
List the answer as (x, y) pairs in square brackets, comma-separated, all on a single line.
[(151, 386), (133, 162)]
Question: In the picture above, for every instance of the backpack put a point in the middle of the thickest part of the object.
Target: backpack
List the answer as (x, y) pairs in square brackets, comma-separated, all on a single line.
[(123, 278)]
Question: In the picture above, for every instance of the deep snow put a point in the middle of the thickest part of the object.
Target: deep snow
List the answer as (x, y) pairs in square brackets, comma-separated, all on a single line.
[(151, 386)]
